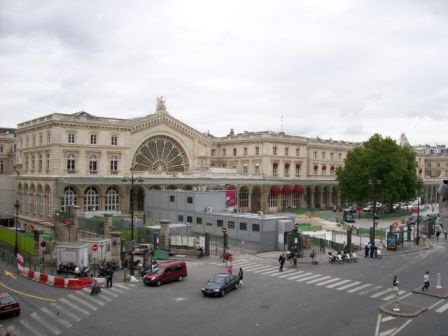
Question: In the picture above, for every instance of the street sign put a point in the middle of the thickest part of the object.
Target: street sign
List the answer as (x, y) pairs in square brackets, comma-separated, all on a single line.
[(94, 247), (224, 230), (43, 245)]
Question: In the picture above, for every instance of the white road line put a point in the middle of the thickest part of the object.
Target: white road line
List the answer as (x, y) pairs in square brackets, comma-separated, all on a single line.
[(260, 268), (387, 332), (381, 293), (327, 282), (119, 285), (309, 277), (90, 306), (89, 290), (405, 296), (116, 290), (74, 307), (370, 290), (90, 297), (377, 327), (299, 276), (318, 279), (354, 290), (253, 267), (387, 318), (349, 285), (443, 308), (30, 328), (390, 297), (271, 267), (284, 272), (13, 330), (240, 262), (56, 317), (435, 304), (105, 292), (399, 329), (289, 274), (39, 319), (269, 272), (65, 312), (338, 283)]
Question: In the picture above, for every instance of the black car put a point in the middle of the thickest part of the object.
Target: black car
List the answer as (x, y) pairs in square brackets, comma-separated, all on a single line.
[(348, 217), (220, 284)]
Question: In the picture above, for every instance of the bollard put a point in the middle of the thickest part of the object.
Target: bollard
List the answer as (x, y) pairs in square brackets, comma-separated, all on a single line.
[(439, 280)]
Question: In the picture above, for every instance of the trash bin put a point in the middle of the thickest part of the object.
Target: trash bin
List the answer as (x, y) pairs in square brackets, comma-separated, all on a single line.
[(161, 254)]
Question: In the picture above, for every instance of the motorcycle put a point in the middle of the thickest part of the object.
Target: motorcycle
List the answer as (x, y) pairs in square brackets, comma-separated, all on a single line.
[(346, 257), (81, 272), (377, 253), (333, 259), (354, 257), (199, 252), (66, 268)]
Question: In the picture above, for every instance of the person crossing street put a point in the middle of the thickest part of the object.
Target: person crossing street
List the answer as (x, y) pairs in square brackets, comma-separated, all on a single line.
[(281, 260)]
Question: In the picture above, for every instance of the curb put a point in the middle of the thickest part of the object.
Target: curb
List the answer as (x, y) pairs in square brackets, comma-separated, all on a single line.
[(430, 292), (412, 310)]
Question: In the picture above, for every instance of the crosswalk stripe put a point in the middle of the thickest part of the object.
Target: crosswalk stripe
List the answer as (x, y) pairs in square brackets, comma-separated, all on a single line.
[(283, 273), (354, 290), (119, 285), (436, 304), (13, 330), (387, 318), (309, 277), (116, 290), (349, 285), (73, 306), (30, 328), (318, 279), (269, 272), (390, 297), (248, 266), (240, 262), (51, 328), (387, 332), (74, 317), (370, 290), (108, 293), (90, 306), (56, 317), (405, 296), (381, 293), (90, 297), (338, 283), (443, 308), (271, 267), (327, 282), (299, 276), (88, 291), (260, 268)]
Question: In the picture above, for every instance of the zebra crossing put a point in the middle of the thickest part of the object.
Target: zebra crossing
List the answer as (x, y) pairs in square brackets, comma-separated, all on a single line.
[(58, 316), (327, 281)]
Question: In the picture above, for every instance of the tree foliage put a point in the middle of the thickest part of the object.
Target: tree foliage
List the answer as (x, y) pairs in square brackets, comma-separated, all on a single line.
[(380, 169)]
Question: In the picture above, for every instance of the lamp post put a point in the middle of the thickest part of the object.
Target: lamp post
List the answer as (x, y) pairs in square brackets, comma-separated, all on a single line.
[(374, 182), (17, 206), (418, 187), (132, 179)]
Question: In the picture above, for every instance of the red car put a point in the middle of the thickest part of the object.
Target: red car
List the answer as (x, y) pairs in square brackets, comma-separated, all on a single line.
[(8, 305)]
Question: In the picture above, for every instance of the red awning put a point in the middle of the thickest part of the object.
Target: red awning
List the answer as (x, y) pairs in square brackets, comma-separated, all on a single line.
[(275, 190), (298, 189), (287, 164), (315, 167), (324, 167), (298, 165), (287, 189), (275, 164)]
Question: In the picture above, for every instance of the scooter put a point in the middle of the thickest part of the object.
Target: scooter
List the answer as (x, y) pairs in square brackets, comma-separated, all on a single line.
[(66, 268), (354, 257), (81, 272), (378, 253), (346, 257)]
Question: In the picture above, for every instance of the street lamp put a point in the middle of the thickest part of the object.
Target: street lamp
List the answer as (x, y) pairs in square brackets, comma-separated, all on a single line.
[(374, 182), (132, 179), (17, 206), (418, 186)]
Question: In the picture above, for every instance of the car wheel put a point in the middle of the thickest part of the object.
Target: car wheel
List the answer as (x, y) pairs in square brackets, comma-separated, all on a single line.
[(18, 313), (223, 292), (158, 283), (180, 278)]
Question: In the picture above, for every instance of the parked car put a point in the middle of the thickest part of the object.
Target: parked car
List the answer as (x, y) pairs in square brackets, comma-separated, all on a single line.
[(8, 305), (142, 248), (348, 217), (168, 271), (220, 284)]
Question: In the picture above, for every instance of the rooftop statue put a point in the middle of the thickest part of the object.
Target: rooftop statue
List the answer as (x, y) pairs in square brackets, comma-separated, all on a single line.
[(161, 107)]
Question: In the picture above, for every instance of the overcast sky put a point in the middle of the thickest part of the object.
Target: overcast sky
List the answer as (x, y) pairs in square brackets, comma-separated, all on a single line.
[(335, 69)]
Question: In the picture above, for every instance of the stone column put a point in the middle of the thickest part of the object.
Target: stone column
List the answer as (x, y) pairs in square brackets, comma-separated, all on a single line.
[(115, 248), (107, 225), (311, 197), (164, 233), (73, 228)]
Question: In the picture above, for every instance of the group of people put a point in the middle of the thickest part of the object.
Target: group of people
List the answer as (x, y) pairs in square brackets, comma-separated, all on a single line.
[(371, 249)]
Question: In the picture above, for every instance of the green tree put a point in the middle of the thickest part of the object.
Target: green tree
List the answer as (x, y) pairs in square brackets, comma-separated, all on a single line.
[(379, 169)]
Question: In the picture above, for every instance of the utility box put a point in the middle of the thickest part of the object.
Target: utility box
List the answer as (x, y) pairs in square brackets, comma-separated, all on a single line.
[(77, 253)]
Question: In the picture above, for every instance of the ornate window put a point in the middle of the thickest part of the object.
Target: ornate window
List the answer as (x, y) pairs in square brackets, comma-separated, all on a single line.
[(40, 163), (113, 164), (93, 164), (71, 161), (244, 197), (93, 139), (160, 153), (91, 199), (33, 162), (112, 199), (272, 200), (2, 166), (70, 199), (114, 140), (257, 168), (71, 138)]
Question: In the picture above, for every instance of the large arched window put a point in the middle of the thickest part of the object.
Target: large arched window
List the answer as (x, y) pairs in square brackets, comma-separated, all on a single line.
[(93, 164), (112, 199), (91, 199), (70, 199), (71, 163)]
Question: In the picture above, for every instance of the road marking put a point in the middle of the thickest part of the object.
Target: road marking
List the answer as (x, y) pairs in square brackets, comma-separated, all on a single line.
[(71, 296), (399, 329), (381, 293), (66, 312), (435, 304), (284, 275), (56, 317), (318, 279), (116, 290), (73, 306), (255, 267), (25, 294), (88, 291), (30, 328), (10, 275), (53, 329), (260, 268), (370, 290), (405, 296), (271, 267), (91, 298), (338, 283), (299, 276), (309, 277), (13, 330), (269, 272), (284, 272), (443, 308), (377, 327), (240, 262), (387, 332), (104, 292), (119, 285), (387, 318), (390, 297), (349, 285), (354, 290), (327, 282)]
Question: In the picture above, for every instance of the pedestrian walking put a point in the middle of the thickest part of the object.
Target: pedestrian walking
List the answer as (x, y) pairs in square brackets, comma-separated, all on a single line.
[(322, 245), (281, 260), (110, 275), (397, 293), (372, 250), (95, 288), (240, 276), (366, 250), (425, 281), (437, 235)]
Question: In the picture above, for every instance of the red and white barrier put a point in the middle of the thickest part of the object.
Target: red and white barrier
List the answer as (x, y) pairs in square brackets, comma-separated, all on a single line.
[(50, 279)]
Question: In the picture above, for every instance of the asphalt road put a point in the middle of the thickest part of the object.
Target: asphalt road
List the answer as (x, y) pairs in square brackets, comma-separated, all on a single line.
[(311, 300)]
